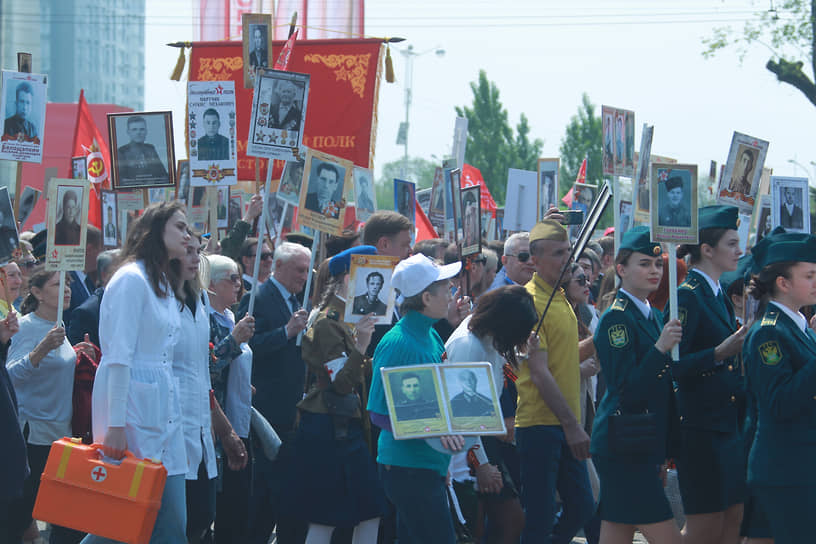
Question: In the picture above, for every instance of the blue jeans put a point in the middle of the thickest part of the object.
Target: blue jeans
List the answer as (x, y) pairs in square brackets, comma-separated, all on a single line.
[(421, 500), (547, 465), (171, 521)]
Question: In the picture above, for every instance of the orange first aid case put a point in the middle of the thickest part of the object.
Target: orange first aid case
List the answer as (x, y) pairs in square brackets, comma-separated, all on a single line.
[(80, 491)]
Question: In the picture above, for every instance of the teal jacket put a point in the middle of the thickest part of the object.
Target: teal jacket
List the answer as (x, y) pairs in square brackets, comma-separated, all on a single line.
[(710, 394), (781, 363), (638, 376)]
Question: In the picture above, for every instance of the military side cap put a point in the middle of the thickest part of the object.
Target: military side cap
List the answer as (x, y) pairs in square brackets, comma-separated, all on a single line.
[(548, 229), (638, 239), (340, 263), (300, 238), (674, 182), (790, 251), (38, 245), (760, 250), (718, 217)]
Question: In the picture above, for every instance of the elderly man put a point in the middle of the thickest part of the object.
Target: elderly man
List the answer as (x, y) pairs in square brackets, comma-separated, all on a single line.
[(278, 375), (285, 113), (552, 444), (258, 58), (517, 268), (19, 125)]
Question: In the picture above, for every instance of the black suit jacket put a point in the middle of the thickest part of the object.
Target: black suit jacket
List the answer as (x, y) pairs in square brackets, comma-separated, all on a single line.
[(13, 460), (313, 205), (79, 294), (278, 372), (791, 220), (290, 122), (85, 319)]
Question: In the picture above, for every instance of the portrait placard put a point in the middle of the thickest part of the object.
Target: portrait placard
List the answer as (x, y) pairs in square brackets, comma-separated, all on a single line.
[(28, 199), (222, 203), (110, 230), (142, 149), (455, 184), (405, 199), (520, 201), (364, 200), (236, 206), (762, 223), (322, 205), (370, 289), (674, 196), (67, 223), (608, 124), (642, 173), (79, 168), (436, 210), (159, 194), (198, 210), (790, 206), (472, 399), (9, 238), (278, 115), (501, 233), (23, 106), (24, 62), (274, 215), (291, 182), (257, 38), (547, 185), (413, 395), (212, 132), (472, 228), (740, 181), (625, 216), (182, 180)]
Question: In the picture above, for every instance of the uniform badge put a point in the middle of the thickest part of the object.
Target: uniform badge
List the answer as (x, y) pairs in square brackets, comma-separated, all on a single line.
[(656, 250), (333, 314), (770, 353), (618, 336), (681, 315)]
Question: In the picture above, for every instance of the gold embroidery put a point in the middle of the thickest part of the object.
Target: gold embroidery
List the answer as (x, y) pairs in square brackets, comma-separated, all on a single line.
[(351, 68), (218, 69)]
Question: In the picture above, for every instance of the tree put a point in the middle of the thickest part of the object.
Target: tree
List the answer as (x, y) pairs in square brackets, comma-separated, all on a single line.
[(582, 139), (419, 170), (788, 32), (491, 145)]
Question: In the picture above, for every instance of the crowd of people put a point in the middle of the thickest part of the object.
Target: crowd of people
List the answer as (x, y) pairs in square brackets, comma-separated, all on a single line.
[(595, 407)]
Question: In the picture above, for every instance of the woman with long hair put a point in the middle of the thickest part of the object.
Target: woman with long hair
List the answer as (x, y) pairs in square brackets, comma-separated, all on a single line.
[(710, 390), (634, 348), (499, 327), (136, 404)]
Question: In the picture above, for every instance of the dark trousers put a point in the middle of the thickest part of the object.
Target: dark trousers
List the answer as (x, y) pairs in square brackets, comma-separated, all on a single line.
[(200, 504), (232, 502), (421, 500), (547, 465), (10, 530), (789, 510)]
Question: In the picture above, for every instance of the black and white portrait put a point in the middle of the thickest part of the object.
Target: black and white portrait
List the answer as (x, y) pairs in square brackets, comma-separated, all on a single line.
[(547, 185), (183, 176), (673, 192), (221, 212), (9, 240), (324, 192), (471, 229), (23, 108), (274, 215), (740, 181), (291, 180), (109, 230), (624, 216), (28, 199), (791, 209), (469, 392), (364, 199), (742, 174), (405, 199), (79, 168), (257, 44), (414, 395), (764, 221), (608, 115), (212, 146), (371, 292), (68, 226), (278, 114), (673, 202), (143, 149)]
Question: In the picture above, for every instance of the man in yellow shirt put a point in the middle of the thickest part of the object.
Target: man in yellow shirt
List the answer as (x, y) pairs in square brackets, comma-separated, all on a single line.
[(552, 444)]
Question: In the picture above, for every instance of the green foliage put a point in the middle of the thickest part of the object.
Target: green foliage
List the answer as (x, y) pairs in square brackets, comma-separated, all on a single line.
[(787, 31), (583, 138), (492, 147), (419, 170)]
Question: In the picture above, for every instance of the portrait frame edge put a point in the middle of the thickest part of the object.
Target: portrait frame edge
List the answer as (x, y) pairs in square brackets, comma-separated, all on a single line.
[(170, 155)]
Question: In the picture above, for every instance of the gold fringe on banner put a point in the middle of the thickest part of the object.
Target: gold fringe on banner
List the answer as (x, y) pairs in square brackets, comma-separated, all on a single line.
[(179, 69), (389, 66)]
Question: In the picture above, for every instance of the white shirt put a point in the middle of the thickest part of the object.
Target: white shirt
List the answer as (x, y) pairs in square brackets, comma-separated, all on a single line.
[(644, 307), (797, 317), (138, 330), (715, 285), (191, 366)]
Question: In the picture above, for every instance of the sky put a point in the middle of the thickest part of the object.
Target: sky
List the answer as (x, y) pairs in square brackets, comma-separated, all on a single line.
[(543, 55)]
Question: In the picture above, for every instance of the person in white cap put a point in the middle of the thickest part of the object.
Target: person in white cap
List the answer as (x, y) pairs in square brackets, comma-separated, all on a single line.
[(412, 472)]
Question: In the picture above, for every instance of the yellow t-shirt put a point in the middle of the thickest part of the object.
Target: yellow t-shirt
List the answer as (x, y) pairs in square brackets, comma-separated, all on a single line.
[(4, 309), (559, 336)]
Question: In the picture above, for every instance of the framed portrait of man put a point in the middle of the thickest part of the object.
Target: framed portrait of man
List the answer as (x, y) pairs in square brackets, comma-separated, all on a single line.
[(142, 152), (436, 208), (211, 132), (739, 183), (547, 185), (182, 180), (405, 199), (608, 155), (24, 62), (22, 103), (674, 197), (790, 206), (9, 237), (472, 398), (364, 199), (629, 143), (471, 226), (625, 216), (275, 208), (762, 220), (79, 168), (110, 231), (291, 182), (322, 204), (414, 398), (370, 289), (642, 173), (257, 42), (278, 115), (67, 222)]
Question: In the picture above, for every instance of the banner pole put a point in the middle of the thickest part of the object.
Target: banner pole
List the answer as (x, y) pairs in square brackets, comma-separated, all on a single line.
[(259, 246), (61, 297), (306, 298), (672, 264)]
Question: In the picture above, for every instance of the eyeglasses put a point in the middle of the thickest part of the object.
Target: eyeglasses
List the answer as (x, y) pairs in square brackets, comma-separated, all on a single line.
[(581, 280), (28, 265), (233, 278), (522, 256), (266, 255)]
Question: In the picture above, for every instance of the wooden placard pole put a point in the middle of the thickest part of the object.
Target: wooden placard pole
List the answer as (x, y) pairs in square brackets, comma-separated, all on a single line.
[(616, 221), (259, 246), (306, 297), (672, 248), (61, 297)]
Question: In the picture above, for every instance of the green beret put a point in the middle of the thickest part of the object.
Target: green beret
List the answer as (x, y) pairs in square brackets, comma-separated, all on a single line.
[(549, 229), (674, 182), (638, 239), (783, 251), (718, 217)]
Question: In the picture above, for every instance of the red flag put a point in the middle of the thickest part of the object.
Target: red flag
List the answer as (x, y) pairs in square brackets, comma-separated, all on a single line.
[(580, 178), (425, 230), (286, 52), (89, 143), (473, 176)]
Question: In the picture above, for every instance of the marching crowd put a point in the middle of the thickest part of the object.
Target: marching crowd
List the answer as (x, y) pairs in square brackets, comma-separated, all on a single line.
[(596, 408)]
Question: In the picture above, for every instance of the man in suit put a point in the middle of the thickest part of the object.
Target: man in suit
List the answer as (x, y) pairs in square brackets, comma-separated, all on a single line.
[(326, 200), (110, 226), (258, 58), (469, 402), (19, 125), (285, 113), (139, 163), (247, 260), (790, 213), (85, 318), (67, 230), (83, 283), (278, 375), (369, 302), (212, 146)]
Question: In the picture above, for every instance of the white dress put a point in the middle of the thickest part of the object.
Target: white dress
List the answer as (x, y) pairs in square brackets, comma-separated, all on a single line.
[(138, 329)]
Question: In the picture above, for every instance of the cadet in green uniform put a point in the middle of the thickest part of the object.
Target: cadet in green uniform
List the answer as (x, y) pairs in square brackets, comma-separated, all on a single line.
[(780, 360), (710, 390), (332, 478), (634, 348)]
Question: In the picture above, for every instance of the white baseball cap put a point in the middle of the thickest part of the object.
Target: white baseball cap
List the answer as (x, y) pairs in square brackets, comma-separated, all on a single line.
[(417, 272)]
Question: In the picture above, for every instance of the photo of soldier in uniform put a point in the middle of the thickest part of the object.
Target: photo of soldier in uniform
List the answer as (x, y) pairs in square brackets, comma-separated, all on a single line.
[(9, 239), (212, 146), (673, 192), (369, 288), (414, 395), (674, 210), (22, 104), (21, 125), (143, 145), (369, 302), (325, 189), (469, 402), (791, 205), (257, 44), (742, 175), (109, 229), (364, 193)]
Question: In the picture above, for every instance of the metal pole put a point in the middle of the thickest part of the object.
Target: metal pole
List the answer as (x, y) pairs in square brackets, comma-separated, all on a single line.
[(675, 353)]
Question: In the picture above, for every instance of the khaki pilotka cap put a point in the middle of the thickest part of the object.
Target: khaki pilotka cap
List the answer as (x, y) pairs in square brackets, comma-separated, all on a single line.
[(549, 229)]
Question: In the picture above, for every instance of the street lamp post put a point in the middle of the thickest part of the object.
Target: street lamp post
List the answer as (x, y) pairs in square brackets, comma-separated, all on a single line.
[(410, 55), (796, 164)]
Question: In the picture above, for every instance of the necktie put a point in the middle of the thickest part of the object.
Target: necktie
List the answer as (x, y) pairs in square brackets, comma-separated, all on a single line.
[(293, 301)]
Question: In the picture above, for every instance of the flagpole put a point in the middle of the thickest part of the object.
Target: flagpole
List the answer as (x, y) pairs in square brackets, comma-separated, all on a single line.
[(259, 245)]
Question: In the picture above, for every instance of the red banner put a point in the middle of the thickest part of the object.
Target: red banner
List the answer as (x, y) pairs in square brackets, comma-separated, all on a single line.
[(473, 176), (343, 93)]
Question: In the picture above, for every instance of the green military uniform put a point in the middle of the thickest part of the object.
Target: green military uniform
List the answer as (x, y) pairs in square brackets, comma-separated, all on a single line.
[(638, 378), (780, 361)]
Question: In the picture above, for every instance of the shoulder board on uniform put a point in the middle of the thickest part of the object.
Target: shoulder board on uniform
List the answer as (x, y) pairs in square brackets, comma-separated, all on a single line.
[(690, 283), (620, 303), (333, 314), (769, 319)]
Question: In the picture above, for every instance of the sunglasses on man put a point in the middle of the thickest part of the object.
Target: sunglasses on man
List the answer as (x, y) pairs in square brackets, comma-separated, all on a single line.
[(522, 256)]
